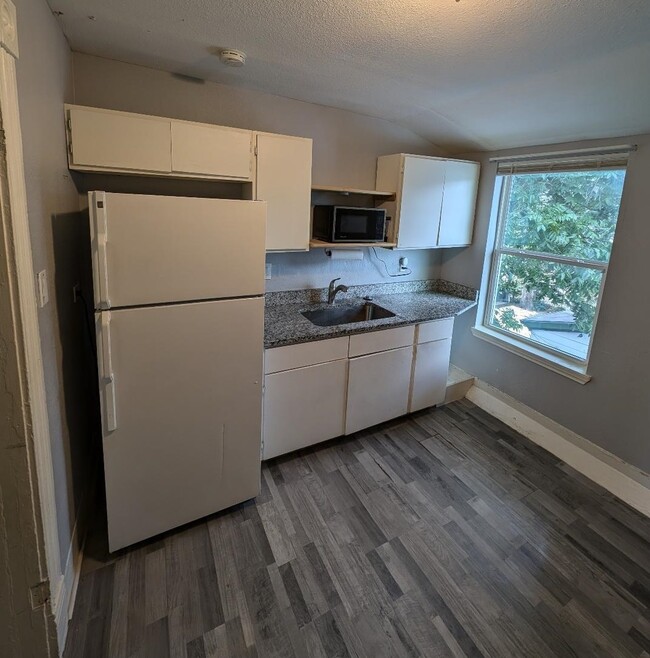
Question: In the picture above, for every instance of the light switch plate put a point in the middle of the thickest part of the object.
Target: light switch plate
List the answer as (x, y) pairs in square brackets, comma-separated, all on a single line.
[(41, 285)]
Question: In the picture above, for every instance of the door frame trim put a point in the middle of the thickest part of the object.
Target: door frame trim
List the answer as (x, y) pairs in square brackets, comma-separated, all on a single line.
[(35, 409)]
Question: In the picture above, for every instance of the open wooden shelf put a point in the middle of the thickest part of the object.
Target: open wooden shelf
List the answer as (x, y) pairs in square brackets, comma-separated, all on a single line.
[(351, 190), (320, 244)]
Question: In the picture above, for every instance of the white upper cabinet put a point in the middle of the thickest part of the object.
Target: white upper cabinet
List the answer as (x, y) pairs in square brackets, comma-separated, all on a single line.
[(122, 142), (212, 151), (458, 203), (434, 199), (283, 180), (102, 140)]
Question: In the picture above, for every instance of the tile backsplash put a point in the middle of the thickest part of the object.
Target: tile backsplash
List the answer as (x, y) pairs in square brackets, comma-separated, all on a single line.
[(314, 269)]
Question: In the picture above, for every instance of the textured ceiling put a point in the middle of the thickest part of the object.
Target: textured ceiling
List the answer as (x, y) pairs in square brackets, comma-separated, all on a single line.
[(464, 74)]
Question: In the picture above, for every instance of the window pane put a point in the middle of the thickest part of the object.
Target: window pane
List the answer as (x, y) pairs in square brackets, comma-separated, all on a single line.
[(564, 213), (550, 303)]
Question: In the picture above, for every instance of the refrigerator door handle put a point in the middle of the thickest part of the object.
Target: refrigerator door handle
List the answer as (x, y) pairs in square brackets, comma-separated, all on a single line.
[(108, 379), (101, 233)]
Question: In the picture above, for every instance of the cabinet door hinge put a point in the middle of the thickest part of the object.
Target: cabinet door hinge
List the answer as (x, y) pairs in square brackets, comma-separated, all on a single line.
[(39, 594)]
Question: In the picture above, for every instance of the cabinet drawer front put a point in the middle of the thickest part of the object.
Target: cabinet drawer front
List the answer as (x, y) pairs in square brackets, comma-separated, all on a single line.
[(303, 407), (380, 341), (277, 359), (436, 330), (207, 150)]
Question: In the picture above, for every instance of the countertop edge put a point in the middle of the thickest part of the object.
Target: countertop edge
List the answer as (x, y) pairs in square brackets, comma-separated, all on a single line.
[(351, 331)]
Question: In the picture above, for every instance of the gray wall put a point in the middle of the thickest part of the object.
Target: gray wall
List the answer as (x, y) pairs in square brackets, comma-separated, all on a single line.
[(60, 246), (613, 410), (346, 146)]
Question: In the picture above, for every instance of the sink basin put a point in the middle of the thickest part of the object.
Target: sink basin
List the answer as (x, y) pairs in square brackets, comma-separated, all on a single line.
[(328, 317)]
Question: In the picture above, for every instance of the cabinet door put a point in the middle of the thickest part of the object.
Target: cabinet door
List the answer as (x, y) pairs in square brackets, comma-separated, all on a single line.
[(420, 202), (284, 182), (303, 407), (103, 140), (378, 388), (214, 151), (458, 203), (431, 366)]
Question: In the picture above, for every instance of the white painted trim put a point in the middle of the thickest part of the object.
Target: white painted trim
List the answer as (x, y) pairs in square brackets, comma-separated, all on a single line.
[(618, 148), (26, 289), (63, 601), (552, 361), (625, 481)]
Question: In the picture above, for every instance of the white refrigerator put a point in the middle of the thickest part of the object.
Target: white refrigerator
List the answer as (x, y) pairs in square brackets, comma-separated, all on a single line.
[(179, 312)]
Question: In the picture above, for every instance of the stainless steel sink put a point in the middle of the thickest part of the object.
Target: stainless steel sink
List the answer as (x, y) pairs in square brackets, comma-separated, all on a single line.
[(328, 317)]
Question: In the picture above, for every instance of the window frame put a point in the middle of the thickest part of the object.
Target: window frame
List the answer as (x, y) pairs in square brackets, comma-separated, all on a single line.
[(562, 362)]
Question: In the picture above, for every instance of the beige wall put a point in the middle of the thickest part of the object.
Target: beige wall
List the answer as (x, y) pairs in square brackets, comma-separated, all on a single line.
[(60, 246), (346, 146), (612, 410)]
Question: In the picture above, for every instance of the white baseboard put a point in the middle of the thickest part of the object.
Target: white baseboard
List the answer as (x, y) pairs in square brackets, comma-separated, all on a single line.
[(625, 481), (66, 591)]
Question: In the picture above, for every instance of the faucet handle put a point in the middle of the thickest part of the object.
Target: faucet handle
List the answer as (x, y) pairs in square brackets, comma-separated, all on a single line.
[(333, 281)]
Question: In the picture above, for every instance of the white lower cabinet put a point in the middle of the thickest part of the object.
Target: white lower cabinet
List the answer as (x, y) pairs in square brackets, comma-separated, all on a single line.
[(430, 368), (304, 406), (319, 390), (378, 388)]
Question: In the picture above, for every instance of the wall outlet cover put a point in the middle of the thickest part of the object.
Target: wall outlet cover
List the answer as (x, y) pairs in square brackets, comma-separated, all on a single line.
[(269, 271)]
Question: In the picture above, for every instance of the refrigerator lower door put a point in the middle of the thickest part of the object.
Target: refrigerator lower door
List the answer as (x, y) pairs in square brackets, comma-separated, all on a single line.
[(181, 396), (157, 249)]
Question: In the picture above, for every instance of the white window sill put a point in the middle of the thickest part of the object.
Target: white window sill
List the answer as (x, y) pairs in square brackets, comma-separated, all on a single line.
[(566, 367)]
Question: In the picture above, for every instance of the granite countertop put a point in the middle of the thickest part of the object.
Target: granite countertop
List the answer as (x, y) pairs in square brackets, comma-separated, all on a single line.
[(411, 301)]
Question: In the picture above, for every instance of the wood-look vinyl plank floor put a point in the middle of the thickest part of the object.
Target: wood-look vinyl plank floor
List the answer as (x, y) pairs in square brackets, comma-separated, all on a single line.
[(443, 533)]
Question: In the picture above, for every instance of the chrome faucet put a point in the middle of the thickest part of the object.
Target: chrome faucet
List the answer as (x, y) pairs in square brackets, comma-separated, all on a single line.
[(332, 291)]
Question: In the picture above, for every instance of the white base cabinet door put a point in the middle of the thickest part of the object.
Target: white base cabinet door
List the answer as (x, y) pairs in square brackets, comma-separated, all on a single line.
[(304, 406), (430, 369), (378, 388)]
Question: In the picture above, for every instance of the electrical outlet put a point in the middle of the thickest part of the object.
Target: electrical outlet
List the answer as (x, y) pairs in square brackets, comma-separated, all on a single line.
[(41, 284), (403, 263), (269, 271)]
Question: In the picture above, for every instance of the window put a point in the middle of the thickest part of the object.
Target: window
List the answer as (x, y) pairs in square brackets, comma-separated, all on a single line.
[(555, 231)]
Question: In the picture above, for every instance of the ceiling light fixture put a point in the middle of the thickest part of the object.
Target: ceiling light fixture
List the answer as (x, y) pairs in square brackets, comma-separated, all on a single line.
[(231, 57)]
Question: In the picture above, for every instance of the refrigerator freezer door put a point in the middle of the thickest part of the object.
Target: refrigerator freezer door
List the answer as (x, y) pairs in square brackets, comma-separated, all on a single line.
[(181, 395), (157, 249)]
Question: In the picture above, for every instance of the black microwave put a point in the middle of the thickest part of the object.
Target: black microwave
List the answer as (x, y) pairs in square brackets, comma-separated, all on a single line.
[(348, 224)]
